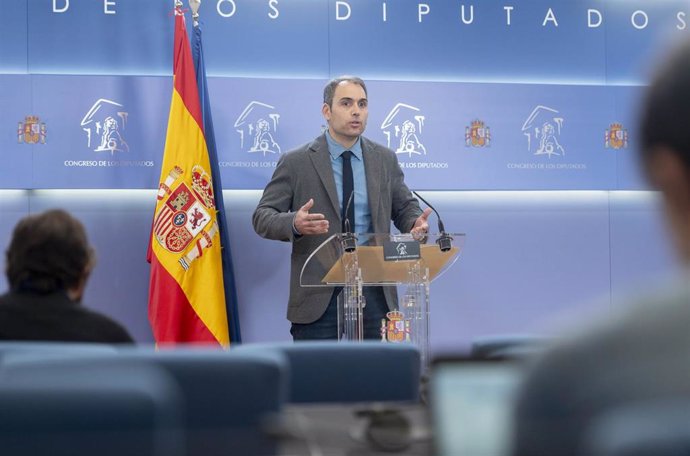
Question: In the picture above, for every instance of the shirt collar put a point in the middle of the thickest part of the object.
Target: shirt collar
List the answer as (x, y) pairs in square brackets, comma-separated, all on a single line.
[(335, 148)]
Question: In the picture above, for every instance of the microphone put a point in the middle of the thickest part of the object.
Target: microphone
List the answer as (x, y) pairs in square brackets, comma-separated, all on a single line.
[(349, 239), (444, 240)]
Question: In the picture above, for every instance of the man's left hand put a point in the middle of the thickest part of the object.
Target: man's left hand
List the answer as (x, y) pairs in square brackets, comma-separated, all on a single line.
[(421, 225)]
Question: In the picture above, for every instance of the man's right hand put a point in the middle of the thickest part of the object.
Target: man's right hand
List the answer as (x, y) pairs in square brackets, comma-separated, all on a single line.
[(306, 223)]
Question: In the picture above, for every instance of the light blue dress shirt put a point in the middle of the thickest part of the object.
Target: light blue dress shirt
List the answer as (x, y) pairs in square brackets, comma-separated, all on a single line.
[(361, 198)]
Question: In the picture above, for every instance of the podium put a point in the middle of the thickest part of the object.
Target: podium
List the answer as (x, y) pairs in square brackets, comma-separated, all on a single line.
[(399, 261)]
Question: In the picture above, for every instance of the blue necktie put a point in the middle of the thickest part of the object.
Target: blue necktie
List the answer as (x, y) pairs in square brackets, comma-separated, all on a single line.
[(348, 189)]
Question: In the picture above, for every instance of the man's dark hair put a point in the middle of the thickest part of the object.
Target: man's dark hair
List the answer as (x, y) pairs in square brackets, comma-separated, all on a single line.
[(665, 119), (329, 90), (48, 252)]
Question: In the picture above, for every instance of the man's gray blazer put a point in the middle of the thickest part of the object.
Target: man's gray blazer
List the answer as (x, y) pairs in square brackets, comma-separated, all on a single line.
[(305, 173)]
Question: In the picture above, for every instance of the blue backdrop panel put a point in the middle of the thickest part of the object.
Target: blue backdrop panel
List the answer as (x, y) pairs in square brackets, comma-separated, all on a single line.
[(241, 37), (627, 108), (21, 132), (522, 266), (430, 126), (262, 272), (107, 131), (449, 135), (550, 252), (537, 41), (13, 46), (14, 204), (636, 31), (434, 40), (266, 38), (259, 120), (640, 245), (536, 136), (532, 41), (99, 37)]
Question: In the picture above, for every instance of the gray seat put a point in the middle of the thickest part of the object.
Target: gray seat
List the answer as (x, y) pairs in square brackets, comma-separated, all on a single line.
[(348, 372), (82, 410), (46, 349), (227, 395)]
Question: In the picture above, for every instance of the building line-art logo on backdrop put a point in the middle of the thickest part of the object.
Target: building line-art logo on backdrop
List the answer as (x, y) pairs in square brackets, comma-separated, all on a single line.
[(257, 127), (104, 125), (616, 137), (31, 131), (403, 128), (477, 134), (543, 131)]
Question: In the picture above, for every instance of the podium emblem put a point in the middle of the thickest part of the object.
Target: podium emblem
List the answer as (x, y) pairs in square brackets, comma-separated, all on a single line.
[(397, 329)]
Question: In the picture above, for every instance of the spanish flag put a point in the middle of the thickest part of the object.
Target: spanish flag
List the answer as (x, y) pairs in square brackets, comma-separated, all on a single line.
[(186, 289)]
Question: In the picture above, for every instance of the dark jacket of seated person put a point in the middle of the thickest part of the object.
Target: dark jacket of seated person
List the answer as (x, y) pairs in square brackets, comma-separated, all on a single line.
[(48, 264), (55, 317)]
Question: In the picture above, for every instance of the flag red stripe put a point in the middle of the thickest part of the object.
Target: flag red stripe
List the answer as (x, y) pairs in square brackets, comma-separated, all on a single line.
[(185, 79), (172, 317)]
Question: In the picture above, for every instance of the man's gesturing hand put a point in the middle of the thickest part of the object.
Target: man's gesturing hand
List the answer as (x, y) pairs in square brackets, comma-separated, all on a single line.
[(421, 225), (306, 223)]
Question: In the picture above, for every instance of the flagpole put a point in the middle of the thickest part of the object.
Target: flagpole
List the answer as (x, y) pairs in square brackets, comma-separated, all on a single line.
[(194, 6)]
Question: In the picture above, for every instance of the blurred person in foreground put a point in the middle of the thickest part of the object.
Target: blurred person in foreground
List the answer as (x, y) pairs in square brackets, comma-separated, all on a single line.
[(644, 354), (48, 263)]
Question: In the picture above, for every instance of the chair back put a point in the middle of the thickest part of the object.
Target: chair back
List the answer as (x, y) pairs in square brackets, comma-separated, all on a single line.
[(227, 395), (80, 409), (349, 372), (13, 349)]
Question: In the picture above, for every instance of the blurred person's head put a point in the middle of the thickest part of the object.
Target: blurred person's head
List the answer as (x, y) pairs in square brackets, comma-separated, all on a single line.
[(49, 252), (665, 142)]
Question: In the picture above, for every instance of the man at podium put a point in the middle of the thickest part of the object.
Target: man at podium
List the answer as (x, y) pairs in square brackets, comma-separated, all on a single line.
[(339, 182)]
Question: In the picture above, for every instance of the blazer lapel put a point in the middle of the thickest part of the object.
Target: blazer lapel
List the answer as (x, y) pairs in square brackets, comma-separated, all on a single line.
[(321, 159), (373, 167)]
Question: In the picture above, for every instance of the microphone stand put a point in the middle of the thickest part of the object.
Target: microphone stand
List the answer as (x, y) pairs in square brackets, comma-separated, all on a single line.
[(349, 239), (445, 240)]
